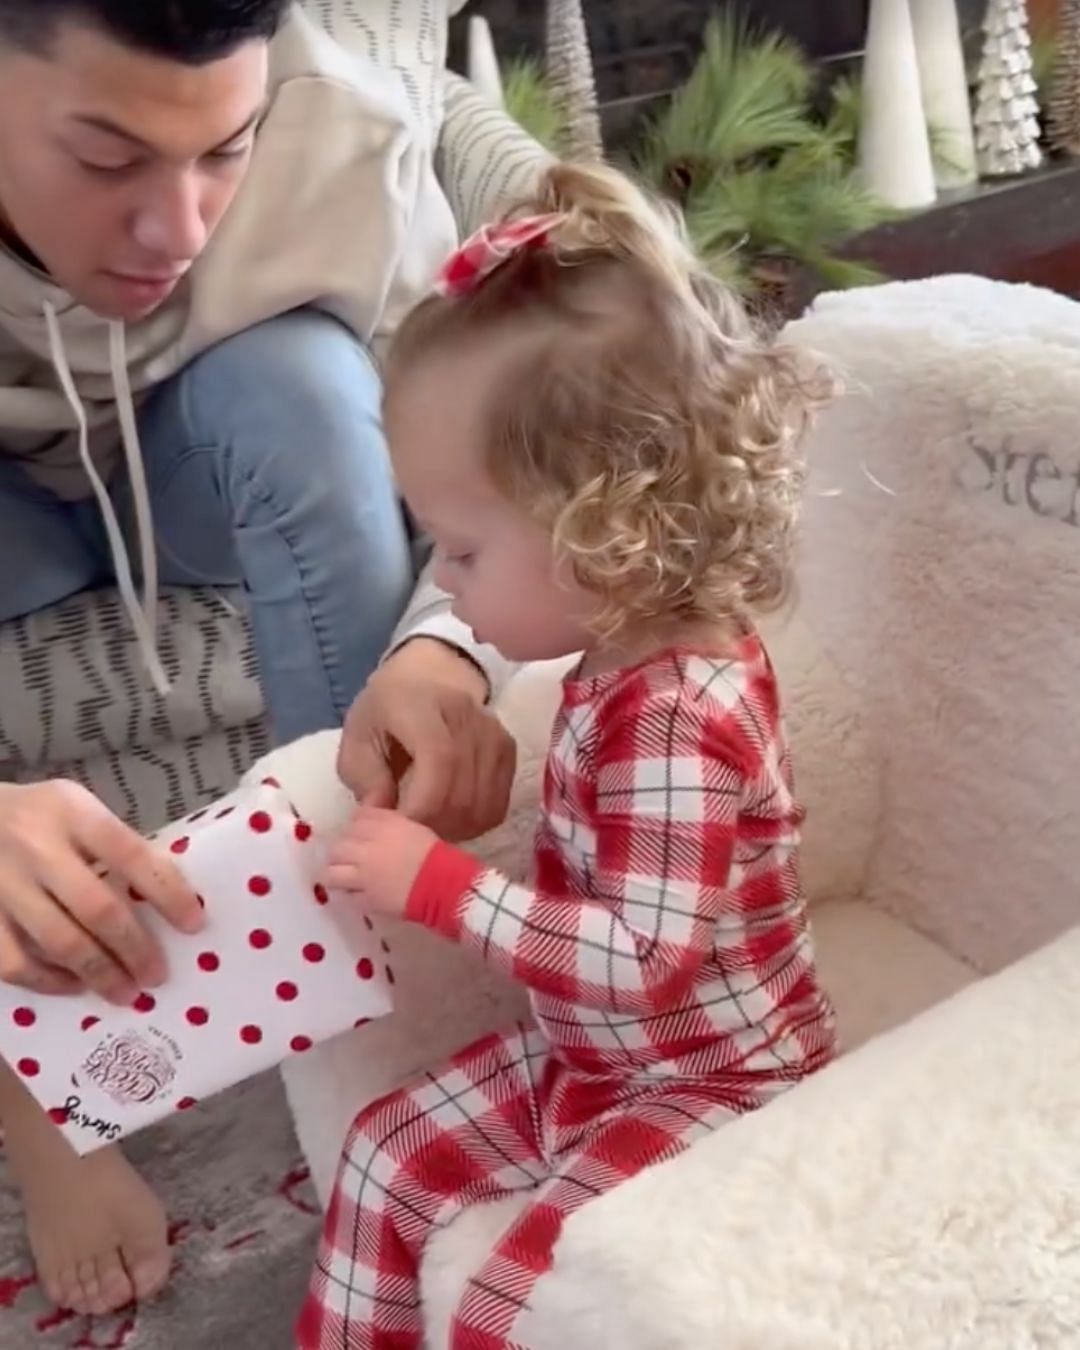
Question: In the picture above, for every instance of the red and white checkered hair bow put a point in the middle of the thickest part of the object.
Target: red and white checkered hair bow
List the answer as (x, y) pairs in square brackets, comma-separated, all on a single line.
[(489, 248)]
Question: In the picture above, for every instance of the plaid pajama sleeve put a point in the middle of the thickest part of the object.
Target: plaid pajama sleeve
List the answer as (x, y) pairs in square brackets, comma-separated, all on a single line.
[(669, 786)]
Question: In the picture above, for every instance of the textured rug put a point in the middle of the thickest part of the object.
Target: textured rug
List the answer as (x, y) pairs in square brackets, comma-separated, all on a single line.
[(244, 1224)]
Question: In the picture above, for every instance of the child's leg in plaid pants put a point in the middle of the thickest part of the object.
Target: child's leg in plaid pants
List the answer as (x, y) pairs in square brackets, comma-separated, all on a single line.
[(470, 1135), (411, 1164), (494, 1312)]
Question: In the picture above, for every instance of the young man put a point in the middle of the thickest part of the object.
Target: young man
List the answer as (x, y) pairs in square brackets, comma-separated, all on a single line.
[(207, 214)]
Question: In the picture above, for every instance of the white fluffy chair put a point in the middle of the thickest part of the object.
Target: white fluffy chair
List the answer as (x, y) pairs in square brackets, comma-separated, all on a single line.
[(924, 1192)]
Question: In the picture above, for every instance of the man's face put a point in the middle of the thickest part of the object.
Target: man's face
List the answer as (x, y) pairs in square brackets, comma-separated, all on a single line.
[(116, 166)]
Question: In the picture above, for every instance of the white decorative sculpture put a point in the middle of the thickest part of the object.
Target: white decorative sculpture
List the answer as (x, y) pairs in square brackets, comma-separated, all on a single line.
[(894, 145), (945, 96)]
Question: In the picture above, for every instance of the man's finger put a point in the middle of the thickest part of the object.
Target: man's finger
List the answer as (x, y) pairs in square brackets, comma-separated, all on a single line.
[(19, 967), (61, 942), (436, 759), (149, 873), (495, 777), (366, 772), (107, 917)]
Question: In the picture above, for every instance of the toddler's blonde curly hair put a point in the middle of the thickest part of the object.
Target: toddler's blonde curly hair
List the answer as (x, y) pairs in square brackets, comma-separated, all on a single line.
[(645, 420)]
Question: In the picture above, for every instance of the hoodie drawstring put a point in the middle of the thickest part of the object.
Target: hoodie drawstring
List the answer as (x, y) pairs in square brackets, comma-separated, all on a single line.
[(143, 614)]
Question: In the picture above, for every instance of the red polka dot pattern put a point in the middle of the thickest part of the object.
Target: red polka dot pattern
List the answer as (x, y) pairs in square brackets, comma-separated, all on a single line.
[(58, 1115), (302, 830), (260, 822), (321, 897), (24, 1017), (145, 1003), (29, 1068), (365, 969), (198, 1017), (89, 1022), (299, 1044), (314, 953), (180, 845), (186, 1103), (260, 939), (209, 961), (259, 886), (251, 1034), (287, 991)]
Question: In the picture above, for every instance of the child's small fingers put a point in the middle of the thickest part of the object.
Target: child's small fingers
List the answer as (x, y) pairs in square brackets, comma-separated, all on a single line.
[(344, 877)]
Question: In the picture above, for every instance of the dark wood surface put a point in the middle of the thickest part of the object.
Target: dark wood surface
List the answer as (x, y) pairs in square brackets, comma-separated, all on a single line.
[(1025, 229)]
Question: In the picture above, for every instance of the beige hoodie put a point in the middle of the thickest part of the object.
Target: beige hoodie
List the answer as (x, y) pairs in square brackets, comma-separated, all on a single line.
[(340, 209)]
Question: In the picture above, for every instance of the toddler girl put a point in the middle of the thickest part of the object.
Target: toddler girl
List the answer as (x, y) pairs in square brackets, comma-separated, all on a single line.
[(605, 455)]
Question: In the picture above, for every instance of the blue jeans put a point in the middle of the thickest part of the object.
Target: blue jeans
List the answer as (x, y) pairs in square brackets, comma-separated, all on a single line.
[(267, 468)]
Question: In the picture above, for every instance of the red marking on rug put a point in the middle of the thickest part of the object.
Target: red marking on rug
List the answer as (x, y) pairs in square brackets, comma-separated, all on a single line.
[(120, 1337), (290, 1187), (59, 1317), (244, 1239), (177, 1232), (11, 1286)]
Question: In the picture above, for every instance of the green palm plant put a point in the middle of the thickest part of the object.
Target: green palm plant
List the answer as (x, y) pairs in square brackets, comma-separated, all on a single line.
[(762, 175), (533, 104)]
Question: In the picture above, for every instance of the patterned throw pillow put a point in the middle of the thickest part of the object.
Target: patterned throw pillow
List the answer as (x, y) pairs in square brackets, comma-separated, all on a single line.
[(408, 36)]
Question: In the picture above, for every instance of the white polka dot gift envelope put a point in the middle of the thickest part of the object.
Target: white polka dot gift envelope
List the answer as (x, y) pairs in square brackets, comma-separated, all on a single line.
[(279, 965)]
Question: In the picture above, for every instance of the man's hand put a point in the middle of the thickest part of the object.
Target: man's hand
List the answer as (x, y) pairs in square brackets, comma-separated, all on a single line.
[(378, 859), (61, 927), (420, 739)]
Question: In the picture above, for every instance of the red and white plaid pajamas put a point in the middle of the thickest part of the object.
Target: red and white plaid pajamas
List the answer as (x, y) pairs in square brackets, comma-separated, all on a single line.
[(665, 945)]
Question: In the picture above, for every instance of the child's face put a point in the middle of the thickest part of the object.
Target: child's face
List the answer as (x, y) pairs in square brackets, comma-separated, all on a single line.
[(495, 562)]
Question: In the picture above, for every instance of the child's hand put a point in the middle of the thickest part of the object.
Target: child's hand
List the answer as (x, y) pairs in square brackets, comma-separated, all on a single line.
[(378, 859)]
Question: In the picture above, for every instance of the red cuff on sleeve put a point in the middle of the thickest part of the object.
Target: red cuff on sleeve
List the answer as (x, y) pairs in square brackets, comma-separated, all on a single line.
[(438, 893)]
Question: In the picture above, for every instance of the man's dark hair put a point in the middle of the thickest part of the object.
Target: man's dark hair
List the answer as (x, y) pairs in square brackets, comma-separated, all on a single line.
[(191, 31)]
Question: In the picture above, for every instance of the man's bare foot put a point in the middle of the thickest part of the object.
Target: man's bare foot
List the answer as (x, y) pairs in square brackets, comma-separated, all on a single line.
[(97, 1231)]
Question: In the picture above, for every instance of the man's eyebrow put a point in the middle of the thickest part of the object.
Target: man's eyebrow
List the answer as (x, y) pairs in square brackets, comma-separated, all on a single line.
[(113, 129)]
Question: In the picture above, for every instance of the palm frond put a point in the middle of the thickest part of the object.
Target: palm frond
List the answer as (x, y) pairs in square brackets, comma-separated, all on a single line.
[(531, 102), (747, 96)]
